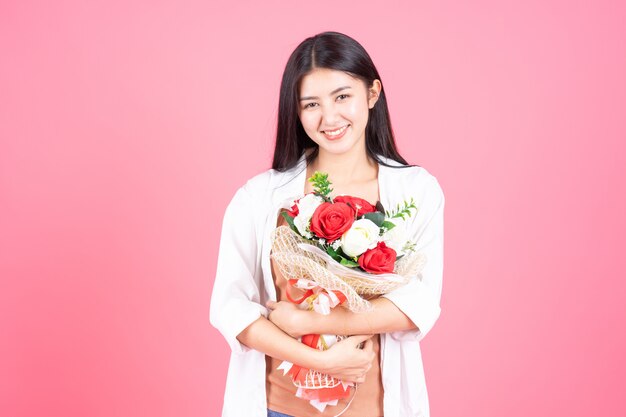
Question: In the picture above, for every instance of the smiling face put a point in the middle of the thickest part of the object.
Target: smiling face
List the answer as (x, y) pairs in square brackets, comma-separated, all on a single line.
[(334, 108)]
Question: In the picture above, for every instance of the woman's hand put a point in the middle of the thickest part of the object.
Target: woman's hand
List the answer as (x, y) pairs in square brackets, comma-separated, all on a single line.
[(346, 361), (290, 319)]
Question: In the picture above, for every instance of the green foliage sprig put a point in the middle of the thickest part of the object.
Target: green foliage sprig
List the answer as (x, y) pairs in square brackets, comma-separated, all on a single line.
[(401, 211), (321, 185)]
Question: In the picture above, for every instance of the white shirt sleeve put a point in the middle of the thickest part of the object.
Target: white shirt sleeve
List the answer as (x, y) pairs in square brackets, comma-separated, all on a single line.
[(420, 298), (235, 300)]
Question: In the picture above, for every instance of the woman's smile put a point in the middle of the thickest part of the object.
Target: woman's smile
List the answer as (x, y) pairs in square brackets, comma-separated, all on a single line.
[(335, 134)]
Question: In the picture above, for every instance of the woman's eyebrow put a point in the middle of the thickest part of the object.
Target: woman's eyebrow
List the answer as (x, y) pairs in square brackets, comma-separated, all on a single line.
[(331, 93)]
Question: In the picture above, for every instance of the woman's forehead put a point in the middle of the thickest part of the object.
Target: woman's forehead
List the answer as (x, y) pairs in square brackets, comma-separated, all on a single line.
[(324, 81)]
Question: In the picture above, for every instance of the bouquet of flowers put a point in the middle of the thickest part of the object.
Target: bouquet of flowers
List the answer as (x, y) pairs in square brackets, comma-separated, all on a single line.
[(340, 251)]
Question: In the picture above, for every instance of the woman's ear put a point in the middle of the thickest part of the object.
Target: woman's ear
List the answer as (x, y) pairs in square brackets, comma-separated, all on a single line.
[(373, 93)]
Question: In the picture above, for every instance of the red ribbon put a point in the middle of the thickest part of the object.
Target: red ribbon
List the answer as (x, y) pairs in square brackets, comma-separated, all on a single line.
[(341, 296), (291, 284), (307, 294), (299, 373)]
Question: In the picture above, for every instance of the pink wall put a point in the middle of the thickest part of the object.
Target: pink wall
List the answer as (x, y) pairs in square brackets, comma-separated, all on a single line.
[(117, 121)]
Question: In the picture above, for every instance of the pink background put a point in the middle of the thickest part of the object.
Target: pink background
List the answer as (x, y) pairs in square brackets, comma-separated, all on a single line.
[(125, 129)]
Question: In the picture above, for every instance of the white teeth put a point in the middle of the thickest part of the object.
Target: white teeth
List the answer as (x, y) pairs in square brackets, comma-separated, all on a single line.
[(336, 132)]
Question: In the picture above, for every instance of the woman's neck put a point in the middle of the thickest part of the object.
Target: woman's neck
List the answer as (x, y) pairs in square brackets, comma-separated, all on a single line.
[(345, 168)]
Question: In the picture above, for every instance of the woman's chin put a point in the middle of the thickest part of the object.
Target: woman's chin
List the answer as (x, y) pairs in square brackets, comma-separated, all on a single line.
[(340, 147)]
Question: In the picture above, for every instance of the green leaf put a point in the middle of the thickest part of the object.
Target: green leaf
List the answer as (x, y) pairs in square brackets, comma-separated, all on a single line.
[(348, 263), (376, 217), (347, 259), (388, 225), (289, 221), (333, 253)]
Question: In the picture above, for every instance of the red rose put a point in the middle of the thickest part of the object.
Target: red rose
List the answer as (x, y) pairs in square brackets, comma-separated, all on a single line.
[(365, 206), (331, 220), (379, 260)]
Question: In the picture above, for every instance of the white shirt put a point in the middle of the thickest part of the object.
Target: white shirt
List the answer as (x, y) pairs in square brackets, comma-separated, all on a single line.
[(244, 283)]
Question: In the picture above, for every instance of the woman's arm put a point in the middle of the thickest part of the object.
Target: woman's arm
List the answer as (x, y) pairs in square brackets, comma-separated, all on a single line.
[(344, 360), (384, 317), (237, 313)]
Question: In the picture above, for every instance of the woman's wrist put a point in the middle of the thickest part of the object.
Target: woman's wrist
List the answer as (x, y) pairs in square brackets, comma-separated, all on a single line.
[(336, 322), (315, 322), (317, 359)]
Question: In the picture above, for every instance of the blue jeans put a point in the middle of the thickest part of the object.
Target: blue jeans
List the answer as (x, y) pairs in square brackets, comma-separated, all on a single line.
[(271, 413)]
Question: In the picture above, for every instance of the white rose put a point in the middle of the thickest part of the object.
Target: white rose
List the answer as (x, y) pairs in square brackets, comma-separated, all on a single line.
[(362, 235), (396, 238), (306, 208)]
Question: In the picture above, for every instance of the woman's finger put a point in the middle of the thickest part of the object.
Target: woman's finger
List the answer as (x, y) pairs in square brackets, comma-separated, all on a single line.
[(368, 345), (271, 305), (357, 340)]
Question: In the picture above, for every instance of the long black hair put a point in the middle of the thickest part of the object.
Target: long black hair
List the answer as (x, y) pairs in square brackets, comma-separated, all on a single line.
[(332, 50)]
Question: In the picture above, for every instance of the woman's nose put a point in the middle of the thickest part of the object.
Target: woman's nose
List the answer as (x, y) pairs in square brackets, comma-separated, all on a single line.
[(329, 114)]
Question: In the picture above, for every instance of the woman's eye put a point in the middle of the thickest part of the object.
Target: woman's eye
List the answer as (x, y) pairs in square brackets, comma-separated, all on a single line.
[(343, 95), (306, 106)]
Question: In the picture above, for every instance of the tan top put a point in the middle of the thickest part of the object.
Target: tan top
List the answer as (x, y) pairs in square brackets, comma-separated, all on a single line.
[(368, 399)]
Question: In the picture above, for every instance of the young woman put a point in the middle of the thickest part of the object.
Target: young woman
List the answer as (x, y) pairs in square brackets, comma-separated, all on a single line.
[(332, 118)]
